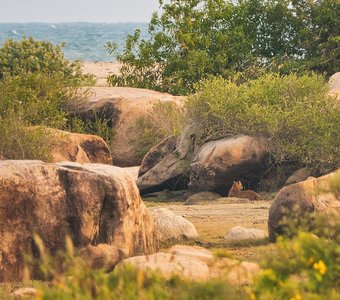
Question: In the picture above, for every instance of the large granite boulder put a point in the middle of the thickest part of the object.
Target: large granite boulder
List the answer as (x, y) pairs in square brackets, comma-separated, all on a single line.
[(122, 106), (76, 147), (92, 203), (301, 199), (218, 163), (170, 226), (195, 263), (165, 166)]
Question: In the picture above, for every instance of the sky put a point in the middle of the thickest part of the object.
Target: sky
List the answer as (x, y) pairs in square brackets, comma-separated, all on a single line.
[(56, 11)]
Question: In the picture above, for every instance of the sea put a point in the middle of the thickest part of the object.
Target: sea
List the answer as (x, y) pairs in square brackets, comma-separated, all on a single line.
[(83, 41)]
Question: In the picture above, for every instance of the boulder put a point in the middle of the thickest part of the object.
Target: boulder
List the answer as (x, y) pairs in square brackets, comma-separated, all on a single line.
[(195, 263), (170, 226), (169, 265), (133, 171), (299, 175), (123, 106), (192, 251), (24, 293), (92, 203), (165, 166), (218, 163), (202, 196), (76, 147), (300, 199), (334, 85), (239, 233), (102, 256)]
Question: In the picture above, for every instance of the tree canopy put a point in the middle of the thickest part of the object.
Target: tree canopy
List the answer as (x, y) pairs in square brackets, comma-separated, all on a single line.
[(191, 40)]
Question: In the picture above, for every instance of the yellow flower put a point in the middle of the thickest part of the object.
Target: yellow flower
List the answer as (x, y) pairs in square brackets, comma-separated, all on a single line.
[(296, 297), (320, 266), (252, 296)]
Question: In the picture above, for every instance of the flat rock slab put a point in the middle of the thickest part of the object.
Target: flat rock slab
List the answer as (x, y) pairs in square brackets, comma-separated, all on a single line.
[(239, 233)]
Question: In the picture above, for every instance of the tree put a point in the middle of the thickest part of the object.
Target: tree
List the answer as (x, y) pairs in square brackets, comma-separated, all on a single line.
[(191, 40)]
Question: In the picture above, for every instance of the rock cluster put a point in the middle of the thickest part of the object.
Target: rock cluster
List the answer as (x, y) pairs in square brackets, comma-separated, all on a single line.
[(92, 203)]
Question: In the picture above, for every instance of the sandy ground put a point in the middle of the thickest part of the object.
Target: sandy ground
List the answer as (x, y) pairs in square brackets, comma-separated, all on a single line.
[(213, 220), (101, 70)]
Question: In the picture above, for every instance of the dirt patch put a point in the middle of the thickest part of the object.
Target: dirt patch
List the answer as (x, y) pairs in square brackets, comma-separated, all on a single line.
[(213, 219)]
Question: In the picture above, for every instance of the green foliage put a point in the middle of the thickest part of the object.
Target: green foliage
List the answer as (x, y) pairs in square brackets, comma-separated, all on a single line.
[(292, 112), (193, 39), (164, 120), (99, 126), (38, 87), (29, 56), (20, 142), (306, 267), (72, 278)]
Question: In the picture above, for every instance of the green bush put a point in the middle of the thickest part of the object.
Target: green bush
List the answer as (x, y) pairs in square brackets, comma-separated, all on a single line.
[(193, 39), (294, 113), (20, 142), (28, 56), (306, 267), (164, 120), (38, 87)]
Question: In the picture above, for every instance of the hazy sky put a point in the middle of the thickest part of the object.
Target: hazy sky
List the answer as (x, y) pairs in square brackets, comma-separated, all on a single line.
[(53, 11)]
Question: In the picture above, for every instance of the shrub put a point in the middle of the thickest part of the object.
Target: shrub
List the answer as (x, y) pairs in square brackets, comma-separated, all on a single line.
[(306, 267), (164, 120), (38, 87), (193, 39), (293, 112), (29, 56)]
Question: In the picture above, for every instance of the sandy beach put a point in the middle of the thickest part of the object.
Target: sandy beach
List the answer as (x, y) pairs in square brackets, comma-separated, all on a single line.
[(100, 69)]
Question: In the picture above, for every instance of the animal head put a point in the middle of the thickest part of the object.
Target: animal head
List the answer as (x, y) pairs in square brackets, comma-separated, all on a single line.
[(237, 185)]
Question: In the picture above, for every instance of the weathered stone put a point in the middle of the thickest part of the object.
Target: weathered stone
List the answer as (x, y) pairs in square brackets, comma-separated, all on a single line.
[(171, 226), (102, 256), (24, 293), (300, 199), (91, 203), (195, 263), (157, 154), (299, 175), (122, 106), (334, 85), (202, 196), (76, 147), (169, 265), (218, 163), (239, 233), (168, 170)]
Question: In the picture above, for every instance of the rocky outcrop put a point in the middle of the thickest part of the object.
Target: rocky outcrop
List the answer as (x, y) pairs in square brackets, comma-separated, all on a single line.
[(218, 163), (92, 203), (299, 175), (195, 263), (122, 106), (202, 196), (239, 233), (170, 226), (165, 166), (76, 147), (300, 199)]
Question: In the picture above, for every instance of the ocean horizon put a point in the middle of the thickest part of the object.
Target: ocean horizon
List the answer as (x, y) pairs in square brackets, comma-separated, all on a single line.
[(83, 41)]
